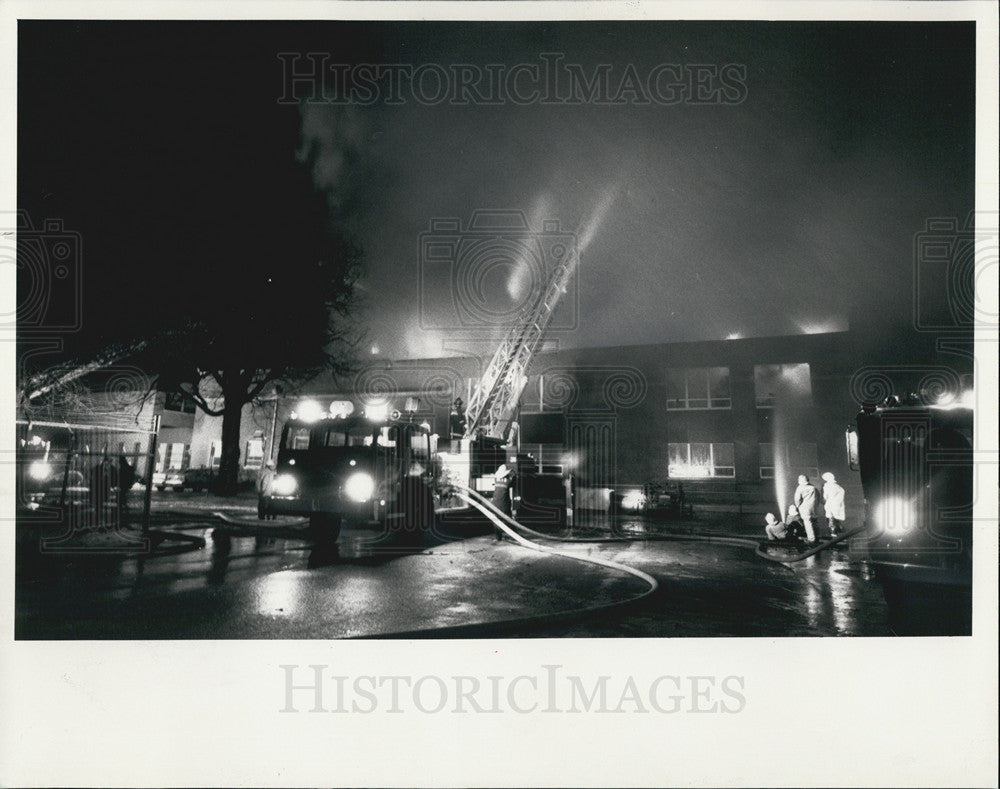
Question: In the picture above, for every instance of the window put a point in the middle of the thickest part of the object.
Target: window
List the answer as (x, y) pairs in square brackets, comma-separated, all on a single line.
[(335, 438), (795, 458), (789, 383), (215, 454), (699, 460), (175, 401), (175, 456), (701, 387), (297, 438), (254, 455)]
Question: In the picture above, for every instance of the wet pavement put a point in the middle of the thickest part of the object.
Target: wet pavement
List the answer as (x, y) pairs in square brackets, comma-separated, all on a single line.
[(267, 580)]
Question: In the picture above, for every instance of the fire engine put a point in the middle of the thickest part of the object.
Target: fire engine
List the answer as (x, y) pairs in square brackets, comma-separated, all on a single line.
[(387, 469), (915, 462), (369, 468)]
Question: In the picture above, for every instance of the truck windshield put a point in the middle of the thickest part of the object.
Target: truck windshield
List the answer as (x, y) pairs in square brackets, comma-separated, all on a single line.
[(339, 437), (297, 438)]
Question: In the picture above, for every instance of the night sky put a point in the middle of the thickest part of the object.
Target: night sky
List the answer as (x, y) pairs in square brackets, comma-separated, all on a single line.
[(793, 210)]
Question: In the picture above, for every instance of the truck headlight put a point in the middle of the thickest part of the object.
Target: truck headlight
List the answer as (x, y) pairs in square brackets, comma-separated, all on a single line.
[(39, 470), (895, 516), (359, 487), (284, 485)]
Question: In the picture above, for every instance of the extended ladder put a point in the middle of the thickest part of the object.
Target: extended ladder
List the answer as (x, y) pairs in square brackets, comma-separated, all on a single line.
[(494, 400)]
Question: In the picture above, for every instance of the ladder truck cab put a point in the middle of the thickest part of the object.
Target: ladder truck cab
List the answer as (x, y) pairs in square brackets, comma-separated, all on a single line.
[(915, 462), (366, 471)]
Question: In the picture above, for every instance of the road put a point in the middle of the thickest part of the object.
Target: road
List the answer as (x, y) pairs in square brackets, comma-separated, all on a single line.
[(266, 580)]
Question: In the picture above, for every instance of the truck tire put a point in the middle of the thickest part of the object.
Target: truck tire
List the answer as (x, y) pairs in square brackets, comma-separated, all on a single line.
[(324, 528)]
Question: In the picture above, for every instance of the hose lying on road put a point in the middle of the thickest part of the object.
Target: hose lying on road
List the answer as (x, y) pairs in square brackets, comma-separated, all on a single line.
[(742, 542), (509, 524), (258, 522), (812, 551), (486, 629), (498, 518)]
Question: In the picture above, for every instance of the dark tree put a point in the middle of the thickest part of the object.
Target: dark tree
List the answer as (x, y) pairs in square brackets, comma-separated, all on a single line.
[(272, 280), (283, 320), (204, 241)]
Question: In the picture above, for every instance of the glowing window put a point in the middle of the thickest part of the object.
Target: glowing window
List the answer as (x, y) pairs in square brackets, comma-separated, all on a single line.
[(701, 460), (254, 454)]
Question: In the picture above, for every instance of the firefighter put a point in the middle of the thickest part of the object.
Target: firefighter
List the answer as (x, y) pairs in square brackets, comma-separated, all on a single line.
[(773, 528), (504, 478), (794, 524), (833, 504), (456, 419), (264, 482), (805, 502)]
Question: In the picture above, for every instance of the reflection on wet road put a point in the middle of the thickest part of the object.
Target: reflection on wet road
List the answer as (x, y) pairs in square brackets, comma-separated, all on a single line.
[(271, 583)]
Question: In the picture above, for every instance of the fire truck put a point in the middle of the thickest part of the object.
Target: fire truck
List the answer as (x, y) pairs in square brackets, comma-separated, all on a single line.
[(540, 494), (915, 462), (369, 469), (389, 470)]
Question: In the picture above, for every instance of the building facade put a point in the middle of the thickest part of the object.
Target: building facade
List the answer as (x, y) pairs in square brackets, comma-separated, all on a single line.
[(733, 420)]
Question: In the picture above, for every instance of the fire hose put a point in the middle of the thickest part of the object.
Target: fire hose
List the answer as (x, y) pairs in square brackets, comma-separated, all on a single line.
[(505, 524), (744, 542)]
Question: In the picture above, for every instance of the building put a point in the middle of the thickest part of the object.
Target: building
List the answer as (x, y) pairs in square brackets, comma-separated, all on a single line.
[(734, 421)]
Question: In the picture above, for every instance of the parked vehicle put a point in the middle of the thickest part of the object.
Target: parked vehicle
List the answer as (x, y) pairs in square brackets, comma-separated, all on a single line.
[(196, 479)]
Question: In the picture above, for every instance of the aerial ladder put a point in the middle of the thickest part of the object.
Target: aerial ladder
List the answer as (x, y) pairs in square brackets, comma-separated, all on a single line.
[(543, 497), (493, 403)]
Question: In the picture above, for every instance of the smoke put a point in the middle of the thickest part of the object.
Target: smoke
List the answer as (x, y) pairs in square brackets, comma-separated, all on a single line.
[(333, 144)]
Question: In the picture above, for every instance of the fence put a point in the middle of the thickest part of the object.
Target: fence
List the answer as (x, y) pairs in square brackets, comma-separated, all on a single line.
[(84, 478)]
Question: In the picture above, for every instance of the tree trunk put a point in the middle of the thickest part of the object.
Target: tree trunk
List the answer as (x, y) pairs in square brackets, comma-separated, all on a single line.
[(229, 463)]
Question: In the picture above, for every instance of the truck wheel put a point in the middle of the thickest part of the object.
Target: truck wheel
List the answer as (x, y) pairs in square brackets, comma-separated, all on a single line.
[(324, 528)]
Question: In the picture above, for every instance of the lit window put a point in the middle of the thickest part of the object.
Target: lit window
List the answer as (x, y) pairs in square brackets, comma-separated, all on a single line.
[(254, 454), (700, 460), (215, 454), (176, 456), (696, 388)]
